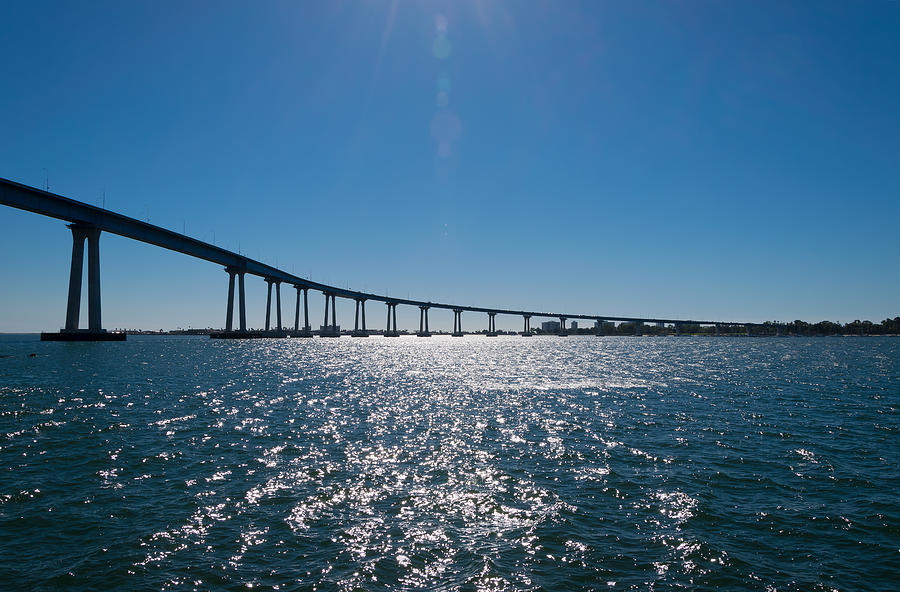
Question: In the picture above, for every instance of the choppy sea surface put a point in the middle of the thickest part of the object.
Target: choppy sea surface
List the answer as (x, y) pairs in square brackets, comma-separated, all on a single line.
[(585, 463)]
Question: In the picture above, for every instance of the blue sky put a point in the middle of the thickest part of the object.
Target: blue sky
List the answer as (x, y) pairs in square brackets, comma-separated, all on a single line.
[(735, 161)]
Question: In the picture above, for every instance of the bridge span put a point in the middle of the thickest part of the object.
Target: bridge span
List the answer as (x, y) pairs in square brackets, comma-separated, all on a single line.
[(87, 222)]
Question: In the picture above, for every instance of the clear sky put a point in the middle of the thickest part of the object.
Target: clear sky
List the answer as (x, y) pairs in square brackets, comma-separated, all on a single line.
[(725, 160)]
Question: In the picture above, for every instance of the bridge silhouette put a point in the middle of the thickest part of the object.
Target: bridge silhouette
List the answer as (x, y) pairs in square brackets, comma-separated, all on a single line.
[(87, 222)]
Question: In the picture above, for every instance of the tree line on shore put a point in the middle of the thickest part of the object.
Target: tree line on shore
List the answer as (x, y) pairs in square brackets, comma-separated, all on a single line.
[(857, 327), (798, 327)]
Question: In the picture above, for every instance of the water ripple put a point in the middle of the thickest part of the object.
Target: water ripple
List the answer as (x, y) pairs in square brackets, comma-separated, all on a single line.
[(447, 464)]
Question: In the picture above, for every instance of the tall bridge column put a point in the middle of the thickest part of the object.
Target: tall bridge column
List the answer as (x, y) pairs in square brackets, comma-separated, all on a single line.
[(297, 311), (638, 325), (492, 324), (423, 322), (331, 330), (599, 326), (229, 314), (93, 240), (278, 327), (306, 332), (391, 315), (457, 323), (306, 328), (357, 332), (95, 331), (242, 302), (526, 329), (73, 310), (562, 327), (268, 305)]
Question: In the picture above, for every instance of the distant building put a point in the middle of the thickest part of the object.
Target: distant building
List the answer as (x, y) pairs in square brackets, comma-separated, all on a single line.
[(550, 326)]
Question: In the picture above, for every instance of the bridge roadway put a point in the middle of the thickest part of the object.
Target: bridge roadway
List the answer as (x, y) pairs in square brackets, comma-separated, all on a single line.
[(49, 204)]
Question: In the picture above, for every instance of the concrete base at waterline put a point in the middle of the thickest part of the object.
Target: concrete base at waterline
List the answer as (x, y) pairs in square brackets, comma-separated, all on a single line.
[(359, 334), (526, 334), (423, 334), (247, 335), (301, 334), (490, 334), (457, 334), (83, 335)]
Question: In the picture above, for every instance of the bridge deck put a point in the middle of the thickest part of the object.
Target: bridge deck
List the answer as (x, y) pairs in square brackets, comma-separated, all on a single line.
[(52, 205)]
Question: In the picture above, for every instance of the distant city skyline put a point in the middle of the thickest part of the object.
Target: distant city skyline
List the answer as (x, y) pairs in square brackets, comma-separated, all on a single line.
[(696, 160)]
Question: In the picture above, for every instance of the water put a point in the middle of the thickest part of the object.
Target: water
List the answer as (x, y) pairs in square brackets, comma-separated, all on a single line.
[(450, 464)]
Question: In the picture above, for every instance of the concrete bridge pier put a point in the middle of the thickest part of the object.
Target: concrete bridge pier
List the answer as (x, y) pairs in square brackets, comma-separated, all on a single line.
[(332, 330), (268, 304), (599, 331), (229, 314), (95, 331), (492, 325), (423, 322), (638, 326), (457, 323), (562, 327), (391, 315), (278, 332), (279, 327), (526, 329), (229, 332), (242, 302), (357, 332), (305, 332)]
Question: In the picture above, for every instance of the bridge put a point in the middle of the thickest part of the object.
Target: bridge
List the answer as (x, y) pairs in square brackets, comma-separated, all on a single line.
[(87, 222)]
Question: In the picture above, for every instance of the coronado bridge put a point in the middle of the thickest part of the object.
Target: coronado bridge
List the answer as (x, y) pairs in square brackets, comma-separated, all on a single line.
[(87, 222)]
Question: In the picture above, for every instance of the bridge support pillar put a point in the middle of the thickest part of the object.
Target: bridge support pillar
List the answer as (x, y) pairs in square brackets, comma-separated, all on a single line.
[(457, 323), (562, 327), (423, 322), (229, 314), (279, 326), (268, 305), (391, 316), (638, 326), (73, 310), (357, 332), (305, 332), (93, 239), (95, 331), (297, 312), (599, 331), (526, 329), (332, 330), (242, 302), (492, 325)]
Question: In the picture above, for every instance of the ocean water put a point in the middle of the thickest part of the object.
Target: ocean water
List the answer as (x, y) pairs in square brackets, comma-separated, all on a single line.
[(585, 463)]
